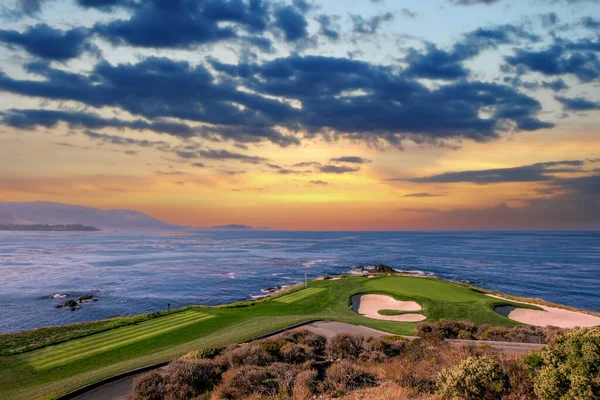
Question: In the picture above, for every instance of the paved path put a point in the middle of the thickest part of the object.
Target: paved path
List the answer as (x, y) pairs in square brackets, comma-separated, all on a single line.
[(122, 389)]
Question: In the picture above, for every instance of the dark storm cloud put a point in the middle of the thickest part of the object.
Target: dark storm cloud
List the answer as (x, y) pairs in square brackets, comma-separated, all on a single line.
[(539, 172), (351, 159), (591, 23), (44, 41), (336, 169), (292, 23), (228, 155), (182, 23), (556, 85), (369, 26), (578, 104)]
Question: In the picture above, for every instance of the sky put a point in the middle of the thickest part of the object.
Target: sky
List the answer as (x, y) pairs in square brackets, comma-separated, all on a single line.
[(306, 115)]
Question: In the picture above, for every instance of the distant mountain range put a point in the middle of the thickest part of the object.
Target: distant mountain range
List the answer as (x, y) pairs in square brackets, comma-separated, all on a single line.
[(47, 213), (44, 213)]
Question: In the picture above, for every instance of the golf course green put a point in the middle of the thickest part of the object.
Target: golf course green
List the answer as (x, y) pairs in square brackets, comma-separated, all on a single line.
[(58, 367)]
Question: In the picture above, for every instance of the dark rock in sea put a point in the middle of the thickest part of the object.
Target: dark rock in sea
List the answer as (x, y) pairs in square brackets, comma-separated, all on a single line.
[(382, 269), (359, 268), (469, 282), (87, 299), (72, 304)]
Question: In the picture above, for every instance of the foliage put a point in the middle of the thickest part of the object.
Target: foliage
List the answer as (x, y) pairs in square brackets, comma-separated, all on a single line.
[(569, 368), (345, 375), (344, 346), (473, 379)]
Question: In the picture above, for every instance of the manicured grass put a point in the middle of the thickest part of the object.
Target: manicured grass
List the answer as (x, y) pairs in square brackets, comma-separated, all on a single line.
[(58, 368), (299, 295)]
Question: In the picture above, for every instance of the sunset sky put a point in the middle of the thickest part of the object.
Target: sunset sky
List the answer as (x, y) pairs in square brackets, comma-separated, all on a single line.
[(316, 115)]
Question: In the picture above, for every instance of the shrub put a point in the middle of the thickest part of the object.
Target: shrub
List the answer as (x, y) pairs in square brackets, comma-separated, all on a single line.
[(296, 353), (444, 329), (307, 338), (268, 381), (200, 375), (246, 380), (344, 346), (201, 354), (305, 384), (344, 376), (569, 368), (391, 348), (150, 386), (473, 379), (248, 354), (465, 335)]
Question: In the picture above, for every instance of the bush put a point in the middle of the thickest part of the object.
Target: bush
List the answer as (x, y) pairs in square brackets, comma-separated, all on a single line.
[(344, 376), (268, 381), (473, 379), (391, 348), (150, 386), (522, 334), (305, 384), (345, 346), (199, 375), (202, 354), (248, 354), (296, 353), (307, 338), (444, 329), (569, 368)]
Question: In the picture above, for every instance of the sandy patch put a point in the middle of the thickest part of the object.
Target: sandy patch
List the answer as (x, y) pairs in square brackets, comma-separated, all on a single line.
[(335, 279), (368, 305), (548, 316)]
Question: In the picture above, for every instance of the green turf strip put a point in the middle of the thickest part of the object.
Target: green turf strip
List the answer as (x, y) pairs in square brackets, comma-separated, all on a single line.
[(125, 332), (71, 351), (300, 295)]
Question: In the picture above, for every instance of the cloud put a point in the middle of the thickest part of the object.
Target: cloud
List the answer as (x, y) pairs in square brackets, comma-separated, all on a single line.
[(369, 26), (420, 195), (408, 13), (46, 42), (228, 155), (319, 182), (328, 28), (562, 58), (351, 159), (436, 63), (555, 85), (152, 23), (591, 23), (293, 24), (308, 164), (336, 169), (539, 172), (577, 103), (473, 2), (120, 140)]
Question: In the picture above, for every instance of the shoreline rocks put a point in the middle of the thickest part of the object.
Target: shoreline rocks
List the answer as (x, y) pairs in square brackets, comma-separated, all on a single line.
[(75, 304)]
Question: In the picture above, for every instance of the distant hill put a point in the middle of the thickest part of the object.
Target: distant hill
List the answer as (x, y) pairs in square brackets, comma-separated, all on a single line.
[(48, 228), (47, 213), (231, 226)]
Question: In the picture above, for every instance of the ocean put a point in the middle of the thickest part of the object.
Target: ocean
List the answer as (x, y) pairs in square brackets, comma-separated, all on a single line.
[(141, 272)]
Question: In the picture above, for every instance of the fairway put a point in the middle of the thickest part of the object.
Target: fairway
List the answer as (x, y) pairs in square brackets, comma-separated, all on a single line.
[(44, 372), (65, 353), (299, 295)]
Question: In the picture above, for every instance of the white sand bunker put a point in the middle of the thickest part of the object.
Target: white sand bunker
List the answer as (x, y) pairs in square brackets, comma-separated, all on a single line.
[(547, 316), (368, 305)]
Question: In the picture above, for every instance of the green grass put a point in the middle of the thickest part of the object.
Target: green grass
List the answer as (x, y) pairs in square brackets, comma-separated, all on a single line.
[(395, 312), (62, 365), (299, 295)]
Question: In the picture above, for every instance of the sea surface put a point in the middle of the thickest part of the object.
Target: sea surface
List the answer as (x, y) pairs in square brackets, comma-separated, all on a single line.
[(132, 273)]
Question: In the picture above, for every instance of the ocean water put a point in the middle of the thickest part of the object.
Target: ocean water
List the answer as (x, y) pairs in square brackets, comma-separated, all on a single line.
[(133, 273)]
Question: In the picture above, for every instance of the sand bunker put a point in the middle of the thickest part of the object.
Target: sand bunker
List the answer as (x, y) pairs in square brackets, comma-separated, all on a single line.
[(368, 305), (548, 316)]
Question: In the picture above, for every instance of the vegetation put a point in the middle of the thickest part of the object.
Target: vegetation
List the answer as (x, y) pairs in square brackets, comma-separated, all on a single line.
[(445, 329), (51, 361), (384, 368)]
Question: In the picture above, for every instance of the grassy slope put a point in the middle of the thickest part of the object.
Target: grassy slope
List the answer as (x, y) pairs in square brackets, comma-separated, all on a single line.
[(57, 369)]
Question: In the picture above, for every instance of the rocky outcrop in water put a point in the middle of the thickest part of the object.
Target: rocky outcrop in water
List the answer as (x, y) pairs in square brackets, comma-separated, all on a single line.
[(382, 269)]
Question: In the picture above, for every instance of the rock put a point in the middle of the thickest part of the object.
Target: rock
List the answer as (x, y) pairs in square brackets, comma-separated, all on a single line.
[(72, 304), (87, 299), (359, 268), (382, 269), (469, 282)]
